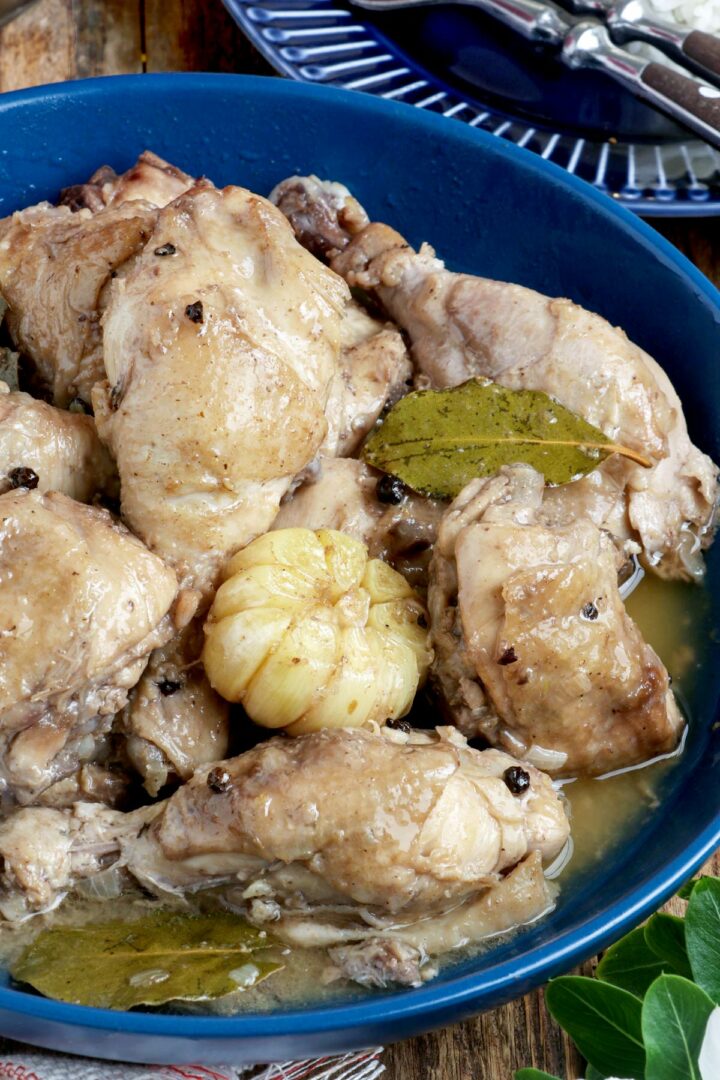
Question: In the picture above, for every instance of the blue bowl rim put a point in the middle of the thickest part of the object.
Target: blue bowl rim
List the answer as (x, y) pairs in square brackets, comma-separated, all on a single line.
[(566, 949)]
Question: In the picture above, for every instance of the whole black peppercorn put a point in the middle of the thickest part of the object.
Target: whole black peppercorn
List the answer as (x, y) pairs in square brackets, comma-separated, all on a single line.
[(194, 312), (165, 249), (399, 725), (590, 612), (507, 656), (516, 779), (218, 780), (390, 489), (23, 478), (169, 686)]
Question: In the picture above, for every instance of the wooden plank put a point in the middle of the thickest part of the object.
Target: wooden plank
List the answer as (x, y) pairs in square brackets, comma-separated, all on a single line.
[(108, 37), (38, 46), (197, 36)]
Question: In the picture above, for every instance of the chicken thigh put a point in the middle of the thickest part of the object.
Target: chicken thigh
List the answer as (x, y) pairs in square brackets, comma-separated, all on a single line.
[(462, 326), (533, 647), (220, 345), (51, 449), (82, 604), (54, 265), (338, 837)]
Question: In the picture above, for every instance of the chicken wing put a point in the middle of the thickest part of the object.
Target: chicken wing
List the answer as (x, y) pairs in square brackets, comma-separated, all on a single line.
[(150, 179), (533, 647), (51, 449), (54, 266), (220, 346), (336, 837), (82, 604), (462, 326)]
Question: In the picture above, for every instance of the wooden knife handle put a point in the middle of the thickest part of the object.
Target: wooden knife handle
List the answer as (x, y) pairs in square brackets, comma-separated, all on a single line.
[(704, 49), (684, 95)]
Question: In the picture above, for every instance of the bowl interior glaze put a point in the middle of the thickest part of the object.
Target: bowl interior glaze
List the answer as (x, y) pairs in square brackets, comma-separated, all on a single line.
[(490, 208)]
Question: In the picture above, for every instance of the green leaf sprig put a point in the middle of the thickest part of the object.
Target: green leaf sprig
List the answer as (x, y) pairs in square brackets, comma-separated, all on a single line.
[(436, 441), (160, 957), (644, 1015)]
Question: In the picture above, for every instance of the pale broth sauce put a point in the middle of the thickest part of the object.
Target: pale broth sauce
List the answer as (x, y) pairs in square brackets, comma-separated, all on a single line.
[(672, 617)]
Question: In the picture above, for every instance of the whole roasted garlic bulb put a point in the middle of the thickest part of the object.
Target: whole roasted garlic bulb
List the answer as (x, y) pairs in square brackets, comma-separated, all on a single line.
[(307, 632)]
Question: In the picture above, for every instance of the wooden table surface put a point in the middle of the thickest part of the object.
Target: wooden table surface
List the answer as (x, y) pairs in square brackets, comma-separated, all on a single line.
[(67, 39)]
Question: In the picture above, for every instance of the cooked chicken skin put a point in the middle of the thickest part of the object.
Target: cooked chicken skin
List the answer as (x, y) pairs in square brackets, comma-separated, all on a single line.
[(375, 371), (174, 721), (219, 359), (462, 326), (534, 648), (61, 448), (82, 604), (150, 179), (53, 268), (340, 836)]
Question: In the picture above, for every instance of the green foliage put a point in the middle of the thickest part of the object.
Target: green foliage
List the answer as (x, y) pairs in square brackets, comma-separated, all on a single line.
[(436, 441), (645, 1014), (702, 929), (674, 1017), (604, 1022), (631, 964)]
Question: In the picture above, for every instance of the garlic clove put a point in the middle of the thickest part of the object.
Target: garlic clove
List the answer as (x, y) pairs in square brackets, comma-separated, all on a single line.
[(289, 680), (351, 696), (298, 549), (262, 586), (236, 646), (396, 674), (383, 583), (345, 558), (400, 618)]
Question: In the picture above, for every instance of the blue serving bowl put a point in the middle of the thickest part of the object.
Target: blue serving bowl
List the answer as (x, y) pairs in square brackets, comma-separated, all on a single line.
[(490, 208)]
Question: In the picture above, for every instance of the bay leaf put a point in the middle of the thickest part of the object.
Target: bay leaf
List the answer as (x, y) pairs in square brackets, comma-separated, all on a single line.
[(164, 956), (436, 441), (631, 964)]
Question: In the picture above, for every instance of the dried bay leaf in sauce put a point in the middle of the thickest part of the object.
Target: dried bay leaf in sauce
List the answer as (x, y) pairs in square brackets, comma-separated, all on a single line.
[(436, 441), (164, 956)]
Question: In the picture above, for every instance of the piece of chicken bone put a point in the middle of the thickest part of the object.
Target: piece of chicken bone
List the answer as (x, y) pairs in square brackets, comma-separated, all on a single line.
[(219, 359), (461, 326), (533, 647), (82, 604), (378, 845), (151, 179), (51, 449)]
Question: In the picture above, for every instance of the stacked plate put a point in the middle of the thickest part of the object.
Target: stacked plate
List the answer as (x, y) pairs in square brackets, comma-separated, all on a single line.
[(456, 61)]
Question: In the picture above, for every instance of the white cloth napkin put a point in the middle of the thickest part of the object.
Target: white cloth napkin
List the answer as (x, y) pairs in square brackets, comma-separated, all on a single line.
[(24, 1063)]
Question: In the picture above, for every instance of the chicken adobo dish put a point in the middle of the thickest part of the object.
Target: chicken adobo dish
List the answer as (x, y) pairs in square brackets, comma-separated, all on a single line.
[(326, 580)]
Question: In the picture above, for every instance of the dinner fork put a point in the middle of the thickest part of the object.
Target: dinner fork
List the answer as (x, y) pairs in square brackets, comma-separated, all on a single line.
[(586, 43)]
